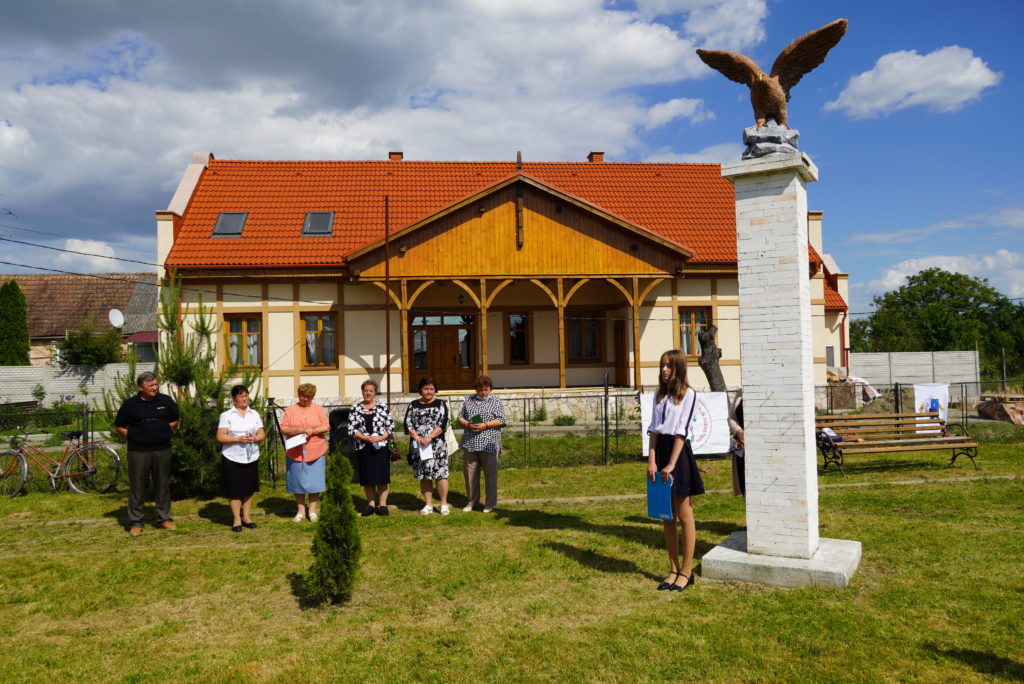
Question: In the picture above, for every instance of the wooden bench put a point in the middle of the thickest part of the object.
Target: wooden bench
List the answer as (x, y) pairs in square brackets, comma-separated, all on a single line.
[(884, 433)]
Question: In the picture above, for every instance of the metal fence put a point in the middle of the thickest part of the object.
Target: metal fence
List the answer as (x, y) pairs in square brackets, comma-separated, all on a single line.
[(561, 430), (899, 397)]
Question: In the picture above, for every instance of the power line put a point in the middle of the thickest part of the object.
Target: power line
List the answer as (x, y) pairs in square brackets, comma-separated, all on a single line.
[(88, 254), (59, 235)]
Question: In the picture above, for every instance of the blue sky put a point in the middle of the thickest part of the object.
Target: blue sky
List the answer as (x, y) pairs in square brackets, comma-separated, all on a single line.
[(910, 120)]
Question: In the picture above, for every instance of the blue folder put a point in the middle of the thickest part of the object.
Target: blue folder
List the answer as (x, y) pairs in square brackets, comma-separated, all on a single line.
[(659, 498)]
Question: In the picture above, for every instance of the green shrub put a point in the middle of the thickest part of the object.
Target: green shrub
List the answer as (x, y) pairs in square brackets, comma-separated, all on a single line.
[(336, 544), (564, 420), (540, 414)]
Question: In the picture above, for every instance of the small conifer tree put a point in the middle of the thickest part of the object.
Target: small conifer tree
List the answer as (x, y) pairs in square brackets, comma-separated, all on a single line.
[(14, 340), (336, 544)]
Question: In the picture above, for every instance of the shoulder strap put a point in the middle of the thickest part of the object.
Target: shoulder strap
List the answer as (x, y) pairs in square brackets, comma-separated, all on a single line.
[(690, 417)]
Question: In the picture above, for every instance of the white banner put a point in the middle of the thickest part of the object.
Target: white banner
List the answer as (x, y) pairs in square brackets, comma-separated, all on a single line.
[(709, 428), (929, 397)]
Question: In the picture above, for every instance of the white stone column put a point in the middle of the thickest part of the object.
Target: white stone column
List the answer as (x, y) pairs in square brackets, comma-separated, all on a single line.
[(776, 352), (777, 356)]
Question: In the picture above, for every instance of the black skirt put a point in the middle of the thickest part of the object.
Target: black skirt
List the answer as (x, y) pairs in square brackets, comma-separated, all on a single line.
[(373, 465), (239, 480), (686, 479)]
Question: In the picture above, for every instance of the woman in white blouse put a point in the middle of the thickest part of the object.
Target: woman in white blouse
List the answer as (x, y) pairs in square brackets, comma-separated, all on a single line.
[(240, 430), (671, 456)]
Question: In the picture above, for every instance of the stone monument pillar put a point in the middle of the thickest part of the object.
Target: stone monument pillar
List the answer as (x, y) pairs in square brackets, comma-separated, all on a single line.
[(781, 545)]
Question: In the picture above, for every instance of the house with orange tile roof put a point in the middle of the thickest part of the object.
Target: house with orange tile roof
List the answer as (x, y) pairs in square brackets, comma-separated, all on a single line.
[(538, 274), (58, 303)]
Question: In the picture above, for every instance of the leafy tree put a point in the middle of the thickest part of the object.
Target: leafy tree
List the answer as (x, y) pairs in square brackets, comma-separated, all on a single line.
[(941, 311), (14, 341), (336, 543), (83, 347)]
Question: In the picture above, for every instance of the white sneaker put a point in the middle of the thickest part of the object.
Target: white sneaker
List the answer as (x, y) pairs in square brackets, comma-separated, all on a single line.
[(445, 510), (299, 517), (468, 509), (313, 517), (427, 510)]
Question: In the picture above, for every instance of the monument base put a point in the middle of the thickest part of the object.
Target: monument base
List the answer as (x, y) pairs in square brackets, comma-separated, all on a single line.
[(832, 566)]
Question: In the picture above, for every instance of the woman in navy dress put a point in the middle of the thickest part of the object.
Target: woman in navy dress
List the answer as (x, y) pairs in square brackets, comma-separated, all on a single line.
[(671, 456)]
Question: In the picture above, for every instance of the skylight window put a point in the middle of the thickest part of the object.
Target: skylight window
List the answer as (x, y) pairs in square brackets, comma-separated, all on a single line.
[(318, 223), (230, 224)]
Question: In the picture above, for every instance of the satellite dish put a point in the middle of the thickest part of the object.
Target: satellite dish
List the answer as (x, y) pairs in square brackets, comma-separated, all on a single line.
[(116, 318)]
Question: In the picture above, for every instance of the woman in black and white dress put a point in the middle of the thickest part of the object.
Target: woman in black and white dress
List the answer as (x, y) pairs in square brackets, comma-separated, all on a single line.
[(670, 455), (426, 420), (239, 431), (370, 424)]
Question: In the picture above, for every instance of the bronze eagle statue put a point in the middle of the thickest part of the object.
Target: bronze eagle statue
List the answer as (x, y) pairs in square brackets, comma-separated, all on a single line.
[(769, 93)]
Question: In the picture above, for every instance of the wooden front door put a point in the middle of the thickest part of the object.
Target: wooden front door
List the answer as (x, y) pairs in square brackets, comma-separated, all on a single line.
[(444, 348)]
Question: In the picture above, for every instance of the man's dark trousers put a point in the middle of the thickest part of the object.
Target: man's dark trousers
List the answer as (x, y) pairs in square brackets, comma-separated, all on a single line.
[(140, 465)]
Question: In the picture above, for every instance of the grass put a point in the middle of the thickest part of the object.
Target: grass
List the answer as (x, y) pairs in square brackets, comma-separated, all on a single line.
[(540, 591)]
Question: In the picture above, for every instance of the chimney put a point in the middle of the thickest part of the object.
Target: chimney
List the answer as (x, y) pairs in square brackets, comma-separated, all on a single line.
[(595, 157), (395, 156)]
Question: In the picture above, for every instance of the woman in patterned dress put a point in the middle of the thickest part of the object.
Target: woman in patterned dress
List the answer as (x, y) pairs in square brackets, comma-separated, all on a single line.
[(482, 416), (426, 419), (370, 424)]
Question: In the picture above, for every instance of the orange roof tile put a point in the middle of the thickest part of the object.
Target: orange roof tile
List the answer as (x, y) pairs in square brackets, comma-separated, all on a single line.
[(688, 204), (833, 300)]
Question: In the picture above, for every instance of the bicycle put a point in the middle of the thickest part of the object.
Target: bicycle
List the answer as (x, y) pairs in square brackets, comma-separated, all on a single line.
[(89, 468)]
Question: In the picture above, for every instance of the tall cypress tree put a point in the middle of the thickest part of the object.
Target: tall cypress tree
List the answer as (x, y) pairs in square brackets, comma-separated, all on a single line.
[(14, 344)]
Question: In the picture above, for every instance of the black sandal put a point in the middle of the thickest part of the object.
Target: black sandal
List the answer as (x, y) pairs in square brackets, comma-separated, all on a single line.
[(689, 582), (668, 585)]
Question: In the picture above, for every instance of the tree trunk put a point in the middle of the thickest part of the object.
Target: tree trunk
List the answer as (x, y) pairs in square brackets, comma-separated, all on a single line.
[(709, 356)]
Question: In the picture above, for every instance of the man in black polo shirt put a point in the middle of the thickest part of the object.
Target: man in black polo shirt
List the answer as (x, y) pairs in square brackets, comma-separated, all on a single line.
[(146, 421)]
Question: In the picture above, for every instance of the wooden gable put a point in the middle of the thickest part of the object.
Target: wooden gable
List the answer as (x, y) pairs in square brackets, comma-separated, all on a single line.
[(552, 235)]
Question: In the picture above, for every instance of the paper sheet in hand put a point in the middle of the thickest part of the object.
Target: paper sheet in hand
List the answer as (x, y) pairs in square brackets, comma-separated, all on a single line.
[(659, 498), (292, 442), (427, 452)]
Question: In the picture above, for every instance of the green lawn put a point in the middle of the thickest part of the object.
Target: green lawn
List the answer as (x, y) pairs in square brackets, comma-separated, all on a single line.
[(540, 591)]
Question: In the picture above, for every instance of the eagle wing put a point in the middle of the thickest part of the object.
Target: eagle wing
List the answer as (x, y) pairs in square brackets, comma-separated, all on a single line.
[(733, 66), (805, 53)]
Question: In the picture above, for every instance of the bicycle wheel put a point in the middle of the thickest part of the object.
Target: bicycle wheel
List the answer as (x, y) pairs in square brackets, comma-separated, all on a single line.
[(91, 469), (13, 473)]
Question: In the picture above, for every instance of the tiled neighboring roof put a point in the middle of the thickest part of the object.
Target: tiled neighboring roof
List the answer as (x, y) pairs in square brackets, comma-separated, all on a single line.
[(140, 312), (833, 300), (61, 302), (689, 204)]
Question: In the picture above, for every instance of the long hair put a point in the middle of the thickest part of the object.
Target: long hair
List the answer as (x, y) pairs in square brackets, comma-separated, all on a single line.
[(677, 386)]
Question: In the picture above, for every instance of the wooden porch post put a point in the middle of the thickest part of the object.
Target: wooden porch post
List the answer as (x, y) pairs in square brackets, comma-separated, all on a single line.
[(483, 326), (561, 335), (636, 332), (406, 356)]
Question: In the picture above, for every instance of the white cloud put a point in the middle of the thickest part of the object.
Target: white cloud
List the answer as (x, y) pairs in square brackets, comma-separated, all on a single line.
[(712, 154), (943, 81), (1008, 217), (664, 112), (81, 260), (123, 108), (1003, 268)]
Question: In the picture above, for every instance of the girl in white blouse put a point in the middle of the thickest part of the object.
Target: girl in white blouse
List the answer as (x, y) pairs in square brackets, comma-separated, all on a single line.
[(671, 456)]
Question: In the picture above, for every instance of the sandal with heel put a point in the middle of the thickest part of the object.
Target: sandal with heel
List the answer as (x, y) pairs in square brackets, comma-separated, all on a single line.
[(666, 584), (689, 582)]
